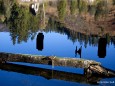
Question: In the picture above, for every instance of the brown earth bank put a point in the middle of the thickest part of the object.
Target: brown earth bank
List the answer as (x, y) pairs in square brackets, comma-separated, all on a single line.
[(93, 27), (86, 23), (79, 24)]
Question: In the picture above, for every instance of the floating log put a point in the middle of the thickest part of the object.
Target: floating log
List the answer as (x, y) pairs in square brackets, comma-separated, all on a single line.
[(49, 60), (90, 66)]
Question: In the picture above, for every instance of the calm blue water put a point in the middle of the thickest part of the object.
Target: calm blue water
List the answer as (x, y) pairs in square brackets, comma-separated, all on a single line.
[(55, 44), (18, 79)]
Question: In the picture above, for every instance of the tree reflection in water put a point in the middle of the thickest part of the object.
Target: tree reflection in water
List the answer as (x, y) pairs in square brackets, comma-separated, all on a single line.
[(24, 25), (51, 74), (79, 51), (39, 41), (102, 47)]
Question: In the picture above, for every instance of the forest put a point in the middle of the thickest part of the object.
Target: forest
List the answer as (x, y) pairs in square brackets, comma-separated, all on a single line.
[(95, 18)]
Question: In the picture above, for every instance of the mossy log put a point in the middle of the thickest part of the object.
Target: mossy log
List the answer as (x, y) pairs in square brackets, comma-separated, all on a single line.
[(90, 66), (49, 60)]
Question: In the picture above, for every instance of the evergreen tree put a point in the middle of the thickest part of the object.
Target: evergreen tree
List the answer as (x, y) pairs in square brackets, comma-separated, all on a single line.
[(83, 7), (73, 7), (62, 9)]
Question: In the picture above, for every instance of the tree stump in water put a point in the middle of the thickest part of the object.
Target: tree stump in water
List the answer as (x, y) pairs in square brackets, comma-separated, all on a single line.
[(99, 70)]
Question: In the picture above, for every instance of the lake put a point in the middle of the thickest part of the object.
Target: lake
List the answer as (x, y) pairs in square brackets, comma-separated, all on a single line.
[(61, 43), (81, 29)]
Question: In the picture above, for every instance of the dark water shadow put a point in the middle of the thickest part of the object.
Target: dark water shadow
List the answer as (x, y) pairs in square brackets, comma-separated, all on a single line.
[(102, 47), (79, 51), (39, 41)]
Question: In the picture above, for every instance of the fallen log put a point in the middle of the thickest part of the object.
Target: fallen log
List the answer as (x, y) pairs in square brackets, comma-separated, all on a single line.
[(49, 60), (90, 66)]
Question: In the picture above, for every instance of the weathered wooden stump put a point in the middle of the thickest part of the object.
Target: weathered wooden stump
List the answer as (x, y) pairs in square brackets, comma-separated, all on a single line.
[(98, 69)]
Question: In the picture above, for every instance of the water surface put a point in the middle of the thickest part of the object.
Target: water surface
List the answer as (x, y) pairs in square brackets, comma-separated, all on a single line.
[(54, 44)]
